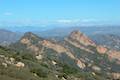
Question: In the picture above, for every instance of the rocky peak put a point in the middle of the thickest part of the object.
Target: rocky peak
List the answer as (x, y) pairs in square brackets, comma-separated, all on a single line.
[(29, 37), (81, 38)]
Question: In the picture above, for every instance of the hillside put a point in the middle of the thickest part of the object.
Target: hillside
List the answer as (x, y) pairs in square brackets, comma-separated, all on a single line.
[(7, 37), (75, 58), (81, 56)]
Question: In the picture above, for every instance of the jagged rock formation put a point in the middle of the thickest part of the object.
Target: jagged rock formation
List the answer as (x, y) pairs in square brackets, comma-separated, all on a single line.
[(81, 38), (81, 41)]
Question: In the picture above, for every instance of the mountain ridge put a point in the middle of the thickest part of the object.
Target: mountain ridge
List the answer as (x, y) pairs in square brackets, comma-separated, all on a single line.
[(77, 51)]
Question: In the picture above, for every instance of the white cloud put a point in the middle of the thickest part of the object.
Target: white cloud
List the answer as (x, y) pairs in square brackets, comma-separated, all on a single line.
[(8, 14), (76, 20), (89, 20), (68, 21), (64, 21)]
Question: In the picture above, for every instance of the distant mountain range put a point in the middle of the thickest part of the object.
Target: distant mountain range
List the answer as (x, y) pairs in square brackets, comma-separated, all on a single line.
[(7, 37), (58, 33), (111, 41)]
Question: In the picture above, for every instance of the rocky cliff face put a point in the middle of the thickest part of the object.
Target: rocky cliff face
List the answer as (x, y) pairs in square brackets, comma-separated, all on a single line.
[(81, 38), (83, 42), (112, 54), (101, 49)]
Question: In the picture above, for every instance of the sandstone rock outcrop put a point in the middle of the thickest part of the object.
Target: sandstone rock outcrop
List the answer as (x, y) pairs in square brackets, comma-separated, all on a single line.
[(101, 49), (81, 38), (96, 68), (115, 76), (20, 64), (80, 64), (112, 54)]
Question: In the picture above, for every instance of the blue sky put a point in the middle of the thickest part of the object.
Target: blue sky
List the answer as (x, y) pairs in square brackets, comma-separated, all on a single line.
[(39, 12)]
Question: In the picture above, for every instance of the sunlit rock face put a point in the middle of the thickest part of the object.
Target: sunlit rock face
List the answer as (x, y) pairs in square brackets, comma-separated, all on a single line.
[(112, 54), (115, 76), (80, 64), (81, 38), (101, 49), (54, 46), (20, 65)]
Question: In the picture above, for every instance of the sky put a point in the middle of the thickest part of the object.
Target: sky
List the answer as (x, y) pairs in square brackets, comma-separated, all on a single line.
[(43, 12)]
